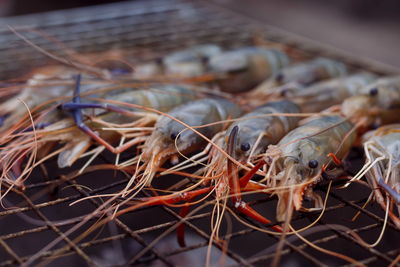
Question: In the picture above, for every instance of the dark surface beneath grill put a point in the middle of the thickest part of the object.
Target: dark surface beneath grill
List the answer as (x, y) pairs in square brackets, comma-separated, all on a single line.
[(148, 29), (119, 242)]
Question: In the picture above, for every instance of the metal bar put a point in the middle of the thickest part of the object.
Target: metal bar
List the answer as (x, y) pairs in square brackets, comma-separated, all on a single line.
[(58, 231), (125, 228), (370, 214), (10, 251)]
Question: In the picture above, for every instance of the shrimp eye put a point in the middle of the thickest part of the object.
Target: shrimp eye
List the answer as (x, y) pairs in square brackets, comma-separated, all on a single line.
[(173, 136), (245, 147), (373, 92), (279, 77), (313, 164)]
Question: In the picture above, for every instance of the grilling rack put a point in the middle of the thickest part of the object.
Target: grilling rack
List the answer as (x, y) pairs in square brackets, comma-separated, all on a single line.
[(146, 30)]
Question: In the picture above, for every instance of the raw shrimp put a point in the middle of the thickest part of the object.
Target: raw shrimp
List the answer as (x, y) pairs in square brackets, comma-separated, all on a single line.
[(324, 94), (162, 98), (40, 88), (242, 69), (249, 135), (189, 62), (299, 76), (77, 142), (377, 104), (256, 130), (255, 134), (297, 161), (382, 167), (171, 136), (380, 100)]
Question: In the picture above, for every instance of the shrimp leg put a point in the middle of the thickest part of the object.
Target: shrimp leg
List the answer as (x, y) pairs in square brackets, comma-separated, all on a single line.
[(75, 107), (236, 184)]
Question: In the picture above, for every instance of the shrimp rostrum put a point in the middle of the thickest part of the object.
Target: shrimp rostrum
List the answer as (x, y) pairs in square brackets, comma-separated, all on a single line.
[(382, 167), (297, 162)]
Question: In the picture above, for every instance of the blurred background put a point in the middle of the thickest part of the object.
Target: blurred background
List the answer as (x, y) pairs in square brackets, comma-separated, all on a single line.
[(366, 28)]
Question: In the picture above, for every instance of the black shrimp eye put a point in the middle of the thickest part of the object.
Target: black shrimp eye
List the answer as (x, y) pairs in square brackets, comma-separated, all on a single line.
[(173, 136), (313, 164), (245, 147), (373, 92), (279, 77)]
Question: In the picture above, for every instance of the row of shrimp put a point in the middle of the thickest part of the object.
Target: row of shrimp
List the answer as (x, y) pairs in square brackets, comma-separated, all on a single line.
[(248, 111)]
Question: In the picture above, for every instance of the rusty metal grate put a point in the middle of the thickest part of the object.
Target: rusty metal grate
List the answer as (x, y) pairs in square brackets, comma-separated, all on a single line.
[(147, 29)]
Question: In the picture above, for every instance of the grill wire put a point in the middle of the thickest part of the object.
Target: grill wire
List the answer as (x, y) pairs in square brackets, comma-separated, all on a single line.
[(33, 217)]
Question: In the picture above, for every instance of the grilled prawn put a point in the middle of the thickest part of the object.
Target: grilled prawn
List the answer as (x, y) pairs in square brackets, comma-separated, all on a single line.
[(189, 62), (378, 103), (297, 161), (324, 94), (77, 135), (299, 76), (242, 69), (172, 135), (382, 167), (256, 130)]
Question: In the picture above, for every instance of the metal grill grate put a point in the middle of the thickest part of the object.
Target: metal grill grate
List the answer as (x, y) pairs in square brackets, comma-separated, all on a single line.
[(148, 29)]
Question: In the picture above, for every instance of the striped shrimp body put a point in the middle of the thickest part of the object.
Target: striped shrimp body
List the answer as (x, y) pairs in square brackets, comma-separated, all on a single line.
[(382, 167), (378, 103), (171, 136), (324, 94), (162, 98), (297, 161), (241, 69), (78, 139), (189, 62), (299, 76)]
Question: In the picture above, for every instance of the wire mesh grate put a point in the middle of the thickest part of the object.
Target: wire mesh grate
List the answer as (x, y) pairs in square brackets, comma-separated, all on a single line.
[(32, 218)]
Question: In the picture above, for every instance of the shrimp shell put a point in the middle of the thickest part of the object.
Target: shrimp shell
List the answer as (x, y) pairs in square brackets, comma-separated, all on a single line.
[(270, 128), (290, 159), (189, 62), (378, 103), (194, 113), (246, 67), (324, 94), (298, 76), (382, 168)]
